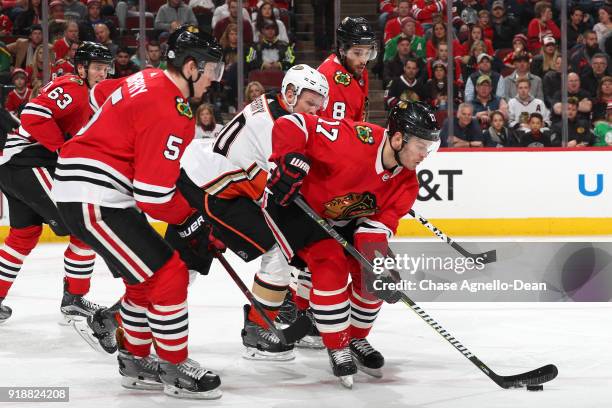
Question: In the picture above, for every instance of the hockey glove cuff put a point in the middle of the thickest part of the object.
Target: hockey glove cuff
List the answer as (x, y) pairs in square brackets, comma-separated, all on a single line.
[(286, 179)]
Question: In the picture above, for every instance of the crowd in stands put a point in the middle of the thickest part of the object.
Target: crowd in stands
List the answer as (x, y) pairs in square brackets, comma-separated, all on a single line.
[(268, 40), (504, 54), (507, 68)]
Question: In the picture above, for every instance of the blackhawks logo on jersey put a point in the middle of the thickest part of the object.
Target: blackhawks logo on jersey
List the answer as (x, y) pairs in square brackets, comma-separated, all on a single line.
[(342, 78), (364, 134), (351, 205), (183, 108)]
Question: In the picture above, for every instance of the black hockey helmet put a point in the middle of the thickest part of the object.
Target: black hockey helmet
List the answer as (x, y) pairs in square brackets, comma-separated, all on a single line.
[(92, 52), (413, 119), (188, 42), (355, 31)]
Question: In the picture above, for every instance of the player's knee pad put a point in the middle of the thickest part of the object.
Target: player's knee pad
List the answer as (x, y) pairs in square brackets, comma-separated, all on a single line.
[(169, 283), (24, 239)]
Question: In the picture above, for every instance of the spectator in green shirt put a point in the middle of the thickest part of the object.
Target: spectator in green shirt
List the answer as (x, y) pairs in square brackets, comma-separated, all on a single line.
[(417, 44), (603, 129)]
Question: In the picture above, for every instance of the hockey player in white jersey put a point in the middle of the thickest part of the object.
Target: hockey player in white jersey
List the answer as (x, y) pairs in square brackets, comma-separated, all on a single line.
[(233, 178)]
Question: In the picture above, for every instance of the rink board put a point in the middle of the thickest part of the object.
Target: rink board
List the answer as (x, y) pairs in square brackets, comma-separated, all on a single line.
[(509, 192)]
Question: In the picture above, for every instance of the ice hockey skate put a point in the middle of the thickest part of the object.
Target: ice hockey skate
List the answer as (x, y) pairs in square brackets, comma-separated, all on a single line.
[(99, 330), (75, 307), (263, 344), (368, 359), (313, 339), (139, 373), (189, 380), (5, 312), (342, 365)]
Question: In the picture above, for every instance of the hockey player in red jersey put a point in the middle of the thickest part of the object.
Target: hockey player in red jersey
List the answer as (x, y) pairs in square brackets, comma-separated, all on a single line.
[(362, 178), (122, 165), (27, 164), (229, 184), (346, 70)]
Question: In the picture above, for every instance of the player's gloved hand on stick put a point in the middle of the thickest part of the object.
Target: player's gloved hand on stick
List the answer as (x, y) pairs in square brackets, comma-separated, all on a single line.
[(199, 234), (286, 179)]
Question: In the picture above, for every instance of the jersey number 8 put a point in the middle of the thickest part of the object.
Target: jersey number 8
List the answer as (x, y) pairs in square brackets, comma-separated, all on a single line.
[(339, 110)]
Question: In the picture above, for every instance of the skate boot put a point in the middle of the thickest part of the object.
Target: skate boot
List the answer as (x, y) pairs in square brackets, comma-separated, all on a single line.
[(189, 380), (5, 312), (139, 373), (288, 312), (343, 365), (367, 358), (263, 344), (99, 330), (75, 307), (313, 339)]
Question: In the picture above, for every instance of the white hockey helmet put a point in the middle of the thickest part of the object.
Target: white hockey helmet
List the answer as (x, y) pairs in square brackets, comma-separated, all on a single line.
[(302, 77)]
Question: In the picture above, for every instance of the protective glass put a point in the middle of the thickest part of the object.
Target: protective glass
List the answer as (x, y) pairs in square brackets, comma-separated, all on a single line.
[(213, 70), (419, 145), (365, 53)]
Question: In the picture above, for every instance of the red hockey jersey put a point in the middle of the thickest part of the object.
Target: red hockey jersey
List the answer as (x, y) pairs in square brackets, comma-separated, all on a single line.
[(347, 179), (47, 121), (348, 95), (15, 99), (128, 154)]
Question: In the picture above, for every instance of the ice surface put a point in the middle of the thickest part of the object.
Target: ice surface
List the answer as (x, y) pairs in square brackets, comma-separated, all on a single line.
[(422, 369)]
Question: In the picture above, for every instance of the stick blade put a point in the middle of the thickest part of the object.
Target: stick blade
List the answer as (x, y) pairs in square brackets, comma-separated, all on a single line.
[(297, 330), (538, 376)]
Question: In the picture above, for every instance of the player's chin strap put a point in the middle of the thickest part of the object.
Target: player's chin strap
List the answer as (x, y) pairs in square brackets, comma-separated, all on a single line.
[(190, 82)]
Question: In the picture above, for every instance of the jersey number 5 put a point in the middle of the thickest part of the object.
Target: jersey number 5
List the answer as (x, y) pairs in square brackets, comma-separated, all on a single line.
[(61, 99), (173, 144)]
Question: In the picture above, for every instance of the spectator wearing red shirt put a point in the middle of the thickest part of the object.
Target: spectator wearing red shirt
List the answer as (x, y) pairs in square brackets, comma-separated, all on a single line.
[(442, 56), (393, 28), (6, 25), (475, 34), (424, 11), (385, 9), (61, 47), (247, 29), (484, 21), (541, 26), (439, 35), (21, 94), (519, 47)]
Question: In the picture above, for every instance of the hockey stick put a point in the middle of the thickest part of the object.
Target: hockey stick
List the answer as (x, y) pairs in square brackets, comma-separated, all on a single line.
[(537, 376), (289, 335), (486, 257)]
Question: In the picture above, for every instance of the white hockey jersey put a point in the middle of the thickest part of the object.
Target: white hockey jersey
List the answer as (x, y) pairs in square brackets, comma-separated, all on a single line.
[(238, 164), (519, 111)]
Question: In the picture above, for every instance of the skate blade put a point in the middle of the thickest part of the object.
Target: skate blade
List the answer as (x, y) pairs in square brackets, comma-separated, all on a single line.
[(181, 393), (346, 381), (83, 329), (138, 384), (3, 320), (251, 353), (374, 372), (310, 342), (67, 320)]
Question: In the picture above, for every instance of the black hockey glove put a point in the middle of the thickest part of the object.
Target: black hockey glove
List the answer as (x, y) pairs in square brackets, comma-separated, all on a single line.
[(286, 179), (196, 241)]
